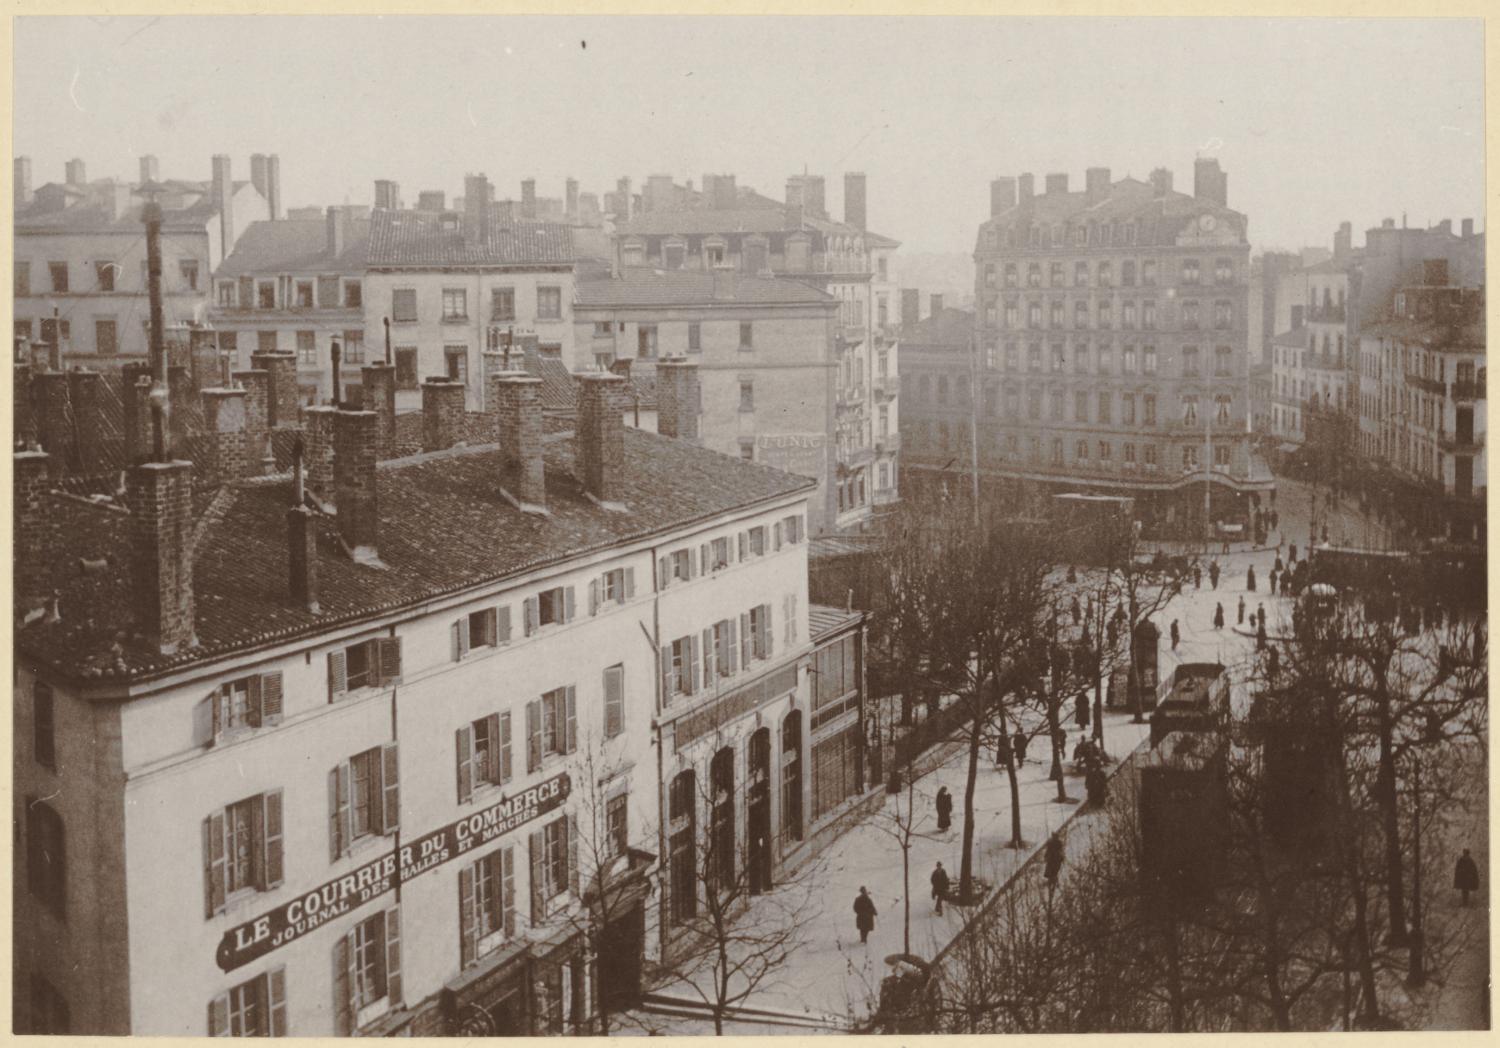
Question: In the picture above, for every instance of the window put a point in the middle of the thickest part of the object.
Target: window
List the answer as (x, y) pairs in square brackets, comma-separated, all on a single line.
[(45, 861), (227, 298), (1190, 457), (1221, 455), (1190, 271), (354, 347), (369, 664), (1011, 275), (1148, 273), (791, 529), (791, 778), (1190, 360), (484, 756), (1034, 404), (354, 294), (404, 305), (265, 342), (614, 701), (1057, 451), (1128, 360), (503, 303), (1080, 314), (1106, 364), (695, 338), (49, 1010), (549, 866), (244, 704), (187, 268), (1223, 315), (1055, 275), (678, 661), (104, 275), (1148, 360), (485, 628), (1190, 315), (1080, 406), (1106, 405), (1081, 451), (1223, 271), (552, 607), (406, 367), (367, 970), (1055, 318), (1148, 315), (1034, 275), (1034, 356), (1081, 274), (1150, 456), (22, 278), (682, 808), (486, 904), (645, 341), (747, 335), (59, 273), (1222, 357), (1127, 274), (1033, 314), (617, 823), (242, 850), (1189, 411), (456, 363), (1057, 405), (989, 274), (307, 348), (1223, 405), (106, 341), (1105, 321), (1012, 356), (747, 395), (1106, 451), (1127, 316), (455, 304), (755, 634), (265, 296), (1106, 277), (1148, 408), (1129, 455), (549, 303), (304, 294), (1127, 408)]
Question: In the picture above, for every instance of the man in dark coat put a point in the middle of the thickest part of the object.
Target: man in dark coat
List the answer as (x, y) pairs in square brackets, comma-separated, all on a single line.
[(1241, 620), (1176, 636), (1081, 709), (1002, 751), (1213, 574), (1275, 575), (1018, 744), (1292, 558), (864, 914), (1466, 875), (1053, 860), (1096, 785), (1197, 577), (1076, 610), (1250, 578), (939, 886), (1218, 616), (944, 808), (1260, 637)]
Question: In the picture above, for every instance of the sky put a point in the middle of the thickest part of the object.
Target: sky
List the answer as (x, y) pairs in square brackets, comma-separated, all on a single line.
[(1316, 121)]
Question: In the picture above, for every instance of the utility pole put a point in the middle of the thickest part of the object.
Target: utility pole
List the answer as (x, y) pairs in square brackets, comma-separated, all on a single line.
[(387, 341), (160, 402)]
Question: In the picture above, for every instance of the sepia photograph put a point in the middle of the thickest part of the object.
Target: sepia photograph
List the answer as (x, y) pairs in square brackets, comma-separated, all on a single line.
[(686, 525)]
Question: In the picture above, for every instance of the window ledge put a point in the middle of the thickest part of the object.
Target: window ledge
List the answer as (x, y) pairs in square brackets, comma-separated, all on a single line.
[(455, 320)]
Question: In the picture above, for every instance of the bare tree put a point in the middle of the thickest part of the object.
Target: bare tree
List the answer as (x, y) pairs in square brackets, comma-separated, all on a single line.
[(900, 824)]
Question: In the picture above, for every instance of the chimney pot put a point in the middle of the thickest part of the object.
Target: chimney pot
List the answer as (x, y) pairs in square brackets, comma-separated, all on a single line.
[(160, 498), (600, 437), (1468, 228), (515, 400), (356, 497)]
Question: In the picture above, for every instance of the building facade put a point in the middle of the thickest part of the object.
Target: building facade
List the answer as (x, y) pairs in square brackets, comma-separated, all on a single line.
[(1113, 344), (297, 286), (453, 284), (733, 226), (80, 255)]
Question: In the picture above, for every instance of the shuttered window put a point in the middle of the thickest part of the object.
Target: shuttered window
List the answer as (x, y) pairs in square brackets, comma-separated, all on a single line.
[(373, 663), (486, 628), (367, 970), (328, 292), (484, 755), (363, 798), (613, 587), (244, 704), (614, 701), (486, 904), (256, 1008), (404, 305), (242, 850)]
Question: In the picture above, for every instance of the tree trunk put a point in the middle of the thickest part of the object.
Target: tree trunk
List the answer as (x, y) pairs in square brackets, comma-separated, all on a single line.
[(1015, 787), (1135, 670), (1053, 726), (1385, 792), (966, 864)]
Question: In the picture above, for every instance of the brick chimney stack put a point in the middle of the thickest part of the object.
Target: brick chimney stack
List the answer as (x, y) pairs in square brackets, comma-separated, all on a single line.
[(355, 494), (1057, 184), (387, 194), (1210, 182), (442, 413), (476, 224), (282, 403), (302, 543), (528, 198), (1027, 183), (1096, 184), (600, 438), (515, 400), (678, 399), (335, 232), (32, 482), (1161, 182), (258, 174), (380, 397), (224, 418), (273, 186), (160, 498), (150, 169)]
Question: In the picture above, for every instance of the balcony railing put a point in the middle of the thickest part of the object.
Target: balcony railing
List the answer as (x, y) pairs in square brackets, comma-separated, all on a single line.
[(1461, 443), (1468, 391), (1427, 385)]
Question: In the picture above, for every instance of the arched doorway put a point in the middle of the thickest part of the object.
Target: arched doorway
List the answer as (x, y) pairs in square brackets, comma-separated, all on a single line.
[(758, 812), (721, 817), (791, 779)]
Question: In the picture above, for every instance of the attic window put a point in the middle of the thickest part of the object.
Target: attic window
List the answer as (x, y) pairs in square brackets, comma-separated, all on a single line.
[(449, 222)]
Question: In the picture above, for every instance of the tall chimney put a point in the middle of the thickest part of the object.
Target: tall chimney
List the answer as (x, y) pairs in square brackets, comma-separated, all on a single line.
[(795, 195), (531, 352), (273, 186), (75, 173), (528, 198), (678, 399), (317, 450), (258, 175), (442, 413), (622, 190), (1209, 182), (223, 198), (32, 480), (854, 199), (476, 225), (356, 497), (387, 194), (282, 399), (911, 305), (600, 441), (934, 304), (160, 498), (1096, 184), (224, 418), (1028, 188), (150, 169), (380, 397), (515, 400), (21, 169), (1002, 195), (335, 228), (570, 200), (302, 543), (86, 396), (1343, 240), (812, 192), (1057, 183)]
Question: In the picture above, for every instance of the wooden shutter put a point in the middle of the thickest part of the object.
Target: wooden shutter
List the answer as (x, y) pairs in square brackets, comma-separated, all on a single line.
[(767, 638), (567, 603), (533, 735), (570, 735), (666, 671), (573, 863), (460, 639), (464, 743), (270, 697), (343, 984), (271, 858), (338, 674), (218, 1016), (629, 592), (695, 656), (216, 702), (390, 781), (705, 564), (692, 565), (508, 889), (614, 701), (708, 658), (593, 596), (389, 651), (468, 917), (505, 765), (213, 863), (746, 643), (536, 844), (393, 954), (502, 624), (252, 703), (338, 811), (776, 533), (661, 573), (532, 613), (276, 1000), (744, 544), (732, 648)]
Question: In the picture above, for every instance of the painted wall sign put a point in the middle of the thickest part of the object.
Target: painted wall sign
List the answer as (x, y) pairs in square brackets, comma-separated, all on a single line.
[(799, 453), (292, 920)]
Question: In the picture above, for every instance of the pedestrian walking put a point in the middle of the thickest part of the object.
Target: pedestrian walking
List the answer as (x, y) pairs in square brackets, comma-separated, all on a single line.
[(1260, 613), (1176, 636), (1077, 612), (1241, 620), (1081, 709), (1097, 786), (864, 913), (1002, 751), (1275, 519), (939, 886), (1218, 616), (1466, 875), (944, 808), (1197, 577), (1274, 577), (1053, 860), (1292, 554), (1018, 745), (1260, 637), (1250, 578), (1278, 567)]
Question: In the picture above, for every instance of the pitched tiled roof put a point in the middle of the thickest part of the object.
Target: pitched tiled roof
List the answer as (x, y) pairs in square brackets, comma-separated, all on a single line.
[(823, 620), (296, 246), (417, 238), (1129, 198), (949, 327), (443, 527), (643, 286), (91, 215)]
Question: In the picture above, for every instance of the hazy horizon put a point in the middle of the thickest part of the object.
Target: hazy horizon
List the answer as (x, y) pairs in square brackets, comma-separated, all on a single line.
[(1305, 115)]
